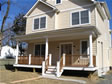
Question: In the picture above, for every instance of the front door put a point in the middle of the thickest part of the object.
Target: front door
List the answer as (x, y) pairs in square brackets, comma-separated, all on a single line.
[(66, 49)]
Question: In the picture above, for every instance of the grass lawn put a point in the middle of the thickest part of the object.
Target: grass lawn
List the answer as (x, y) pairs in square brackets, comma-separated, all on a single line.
[(9, 77)]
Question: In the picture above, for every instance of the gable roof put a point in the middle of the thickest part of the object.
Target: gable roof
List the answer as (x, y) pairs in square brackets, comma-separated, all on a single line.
[(104, 4), (43, 2), (106, 9)]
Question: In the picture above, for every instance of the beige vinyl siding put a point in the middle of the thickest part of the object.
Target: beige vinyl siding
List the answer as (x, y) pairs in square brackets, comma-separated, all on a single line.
[(40, 8), (110, 57), (105, 38), (30, 49), (94, 47), (50, 20), (64, 18), (70, 3)]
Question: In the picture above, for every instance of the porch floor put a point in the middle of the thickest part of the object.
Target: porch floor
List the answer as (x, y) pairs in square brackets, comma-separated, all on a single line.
[(81, 68)]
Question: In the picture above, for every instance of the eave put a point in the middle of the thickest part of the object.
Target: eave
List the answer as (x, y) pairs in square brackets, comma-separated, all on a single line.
[(106, 9), (98, 5)]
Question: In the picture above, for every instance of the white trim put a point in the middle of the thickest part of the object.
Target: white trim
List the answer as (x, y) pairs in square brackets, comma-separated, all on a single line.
[(55, 20), (65, 44), (81, 49), (27, 66), (81, 68), (91, 50), (46, 48), (58, 3), (79, 11), (39, 17), (51, 36)]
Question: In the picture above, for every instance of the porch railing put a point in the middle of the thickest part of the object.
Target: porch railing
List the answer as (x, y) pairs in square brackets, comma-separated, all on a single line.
[(46, 64), (79, 60), (30, 60), (23, 59), (60, 65), (36, 60)]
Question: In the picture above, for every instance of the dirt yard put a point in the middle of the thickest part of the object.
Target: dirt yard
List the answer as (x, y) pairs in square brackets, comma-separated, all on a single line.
[(23, 77)]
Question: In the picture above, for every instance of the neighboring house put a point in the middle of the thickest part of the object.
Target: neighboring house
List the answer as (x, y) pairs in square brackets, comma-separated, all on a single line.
[(67, 35)]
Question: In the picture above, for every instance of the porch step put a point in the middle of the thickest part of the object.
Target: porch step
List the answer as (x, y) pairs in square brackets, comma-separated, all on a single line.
[(49, 69), (49, 75), (51, 72)]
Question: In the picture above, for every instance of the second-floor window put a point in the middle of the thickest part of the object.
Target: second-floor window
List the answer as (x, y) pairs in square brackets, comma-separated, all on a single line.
[(80, 17), (40, 23), (58, 1)]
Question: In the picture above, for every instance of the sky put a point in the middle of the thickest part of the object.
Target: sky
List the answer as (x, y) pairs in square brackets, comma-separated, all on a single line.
[(18, 6)]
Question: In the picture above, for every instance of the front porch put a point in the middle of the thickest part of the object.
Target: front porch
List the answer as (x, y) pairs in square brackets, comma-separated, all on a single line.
[(75, 56), (72, 51)]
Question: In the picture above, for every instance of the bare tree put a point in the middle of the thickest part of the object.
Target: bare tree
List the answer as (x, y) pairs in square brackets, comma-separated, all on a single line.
[(4, 17)]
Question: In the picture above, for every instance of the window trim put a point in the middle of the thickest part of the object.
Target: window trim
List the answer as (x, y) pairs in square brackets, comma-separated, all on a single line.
[(80, 17), (40, 50), (58, 3), (39, 23), (81, 57)]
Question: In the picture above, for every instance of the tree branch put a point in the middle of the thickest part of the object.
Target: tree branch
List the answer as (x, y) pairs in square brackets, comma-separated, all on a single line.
[(6, 15)]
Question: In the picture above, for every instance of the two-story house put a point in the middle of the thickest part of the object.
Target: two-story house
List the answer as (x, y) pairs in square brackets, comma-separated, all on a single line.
[(67, 35)]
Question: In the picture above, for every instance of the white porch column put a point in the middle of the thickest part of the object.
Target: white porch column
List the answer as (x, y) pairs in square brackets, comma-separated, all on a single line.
[(17, 53), (90, 51), (29, 59), (50, 59), (46, 50)]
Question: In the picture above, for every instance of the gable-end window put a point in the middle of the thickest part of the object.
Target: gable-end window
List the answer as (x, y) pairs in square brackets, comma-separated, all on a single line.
[(84, 17), (75, 18), (36, 23), (80, 17), (58, 1), (40, 23), (40, 50)]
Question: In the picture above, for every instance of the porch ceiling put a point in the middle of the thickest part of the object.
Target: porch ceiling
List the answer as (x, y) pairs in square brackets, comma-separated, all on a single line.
[(68, 33)]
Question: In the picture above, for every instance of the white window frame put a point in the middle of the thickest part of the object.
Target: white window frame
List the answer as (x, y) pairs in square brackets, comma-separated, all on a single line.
[(39, 23), (40, 49), (81, 49), (80, 17), (58, 3)]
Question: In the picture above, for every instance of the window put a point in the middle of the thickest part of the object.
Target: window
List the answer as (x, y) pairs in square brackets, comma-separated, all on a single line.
[(40, 50), (81, 17), (75, 18), (36, 23), (84, 49), (58, 1), (40, 23), (84, 17)]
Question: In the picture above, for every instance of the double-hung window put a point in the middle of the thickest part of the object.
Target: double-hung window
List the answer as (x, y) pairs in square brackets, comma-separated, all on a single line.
[(80, 17), (40, 50), (58, 1), (40, 23), (84, 49)]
